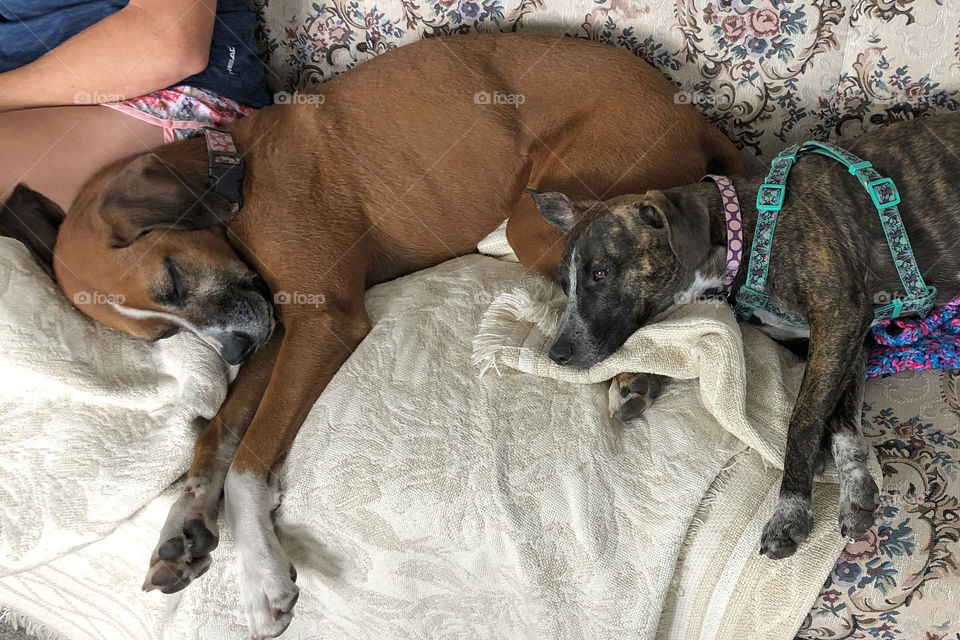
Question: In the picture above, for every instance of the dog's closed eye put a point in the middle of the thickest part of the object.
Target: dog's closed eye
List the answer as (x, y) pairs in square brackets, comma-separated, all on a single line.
[(170, 331), (176, 293)]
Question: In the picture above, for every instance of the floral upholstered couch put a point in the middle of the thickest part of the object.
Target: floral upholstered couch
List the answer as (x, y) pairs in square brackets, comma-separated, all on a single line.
[(767, 73), (902, 580)]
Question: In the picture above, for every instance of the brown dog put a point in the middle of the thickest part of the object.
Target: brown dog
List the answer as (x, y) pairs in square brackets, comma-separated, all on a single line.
[(407, 161)]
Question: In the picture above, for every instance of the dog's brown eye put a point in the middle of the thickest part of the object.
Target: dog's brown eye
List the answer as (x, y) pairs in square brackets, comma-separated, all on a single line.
[(600, 274)]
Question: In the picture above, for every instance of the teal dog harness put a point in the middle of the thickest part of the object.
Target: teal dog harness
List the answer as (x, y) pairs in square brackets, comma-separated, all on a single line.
[(752, 296)]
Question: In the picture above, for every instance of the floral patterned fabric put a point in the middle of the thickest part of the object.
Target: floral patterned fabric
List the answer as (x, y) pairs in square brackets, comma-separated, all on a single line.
[(183, 111), (769, 73), (902, 581)]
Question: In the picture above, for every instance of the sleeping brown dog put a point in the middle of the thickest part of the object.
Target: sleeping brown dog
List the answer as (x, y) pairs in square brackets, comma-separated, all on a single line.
[(408, 160)]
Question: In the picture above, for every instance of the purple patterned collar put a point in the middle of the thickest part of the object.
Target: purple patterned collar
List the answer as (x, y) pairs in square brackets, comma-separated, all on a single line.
[(731, 213)]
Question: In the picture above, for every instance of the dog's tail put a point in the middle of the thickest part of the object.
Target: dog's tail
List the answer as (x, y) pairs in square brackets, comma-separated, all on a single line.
[(724, 157)]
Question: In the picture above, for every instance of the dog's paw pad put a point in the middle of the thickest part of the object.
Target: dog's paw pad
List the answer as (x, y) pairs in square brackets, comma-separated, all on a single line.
[(631, 394), (170, 576), (171, 549), (202, 541), (186, 541), (789, 526)]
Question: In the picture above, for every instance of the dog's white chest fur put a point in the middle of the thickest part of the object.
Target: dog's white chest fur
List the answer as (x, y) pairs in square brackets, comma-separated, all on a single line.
[(771, 324)]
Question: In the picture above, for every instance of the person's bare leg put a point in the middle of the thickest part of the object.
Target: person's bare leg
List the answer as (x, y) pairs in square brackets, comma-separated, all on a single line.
[(55, 150)]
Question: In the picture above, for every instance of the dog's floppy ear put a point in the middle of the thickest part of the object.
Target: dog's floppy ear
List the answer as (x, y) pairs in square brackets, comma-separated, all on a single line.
[(556, 208), (34, 220), (686, 218), (149, 194)]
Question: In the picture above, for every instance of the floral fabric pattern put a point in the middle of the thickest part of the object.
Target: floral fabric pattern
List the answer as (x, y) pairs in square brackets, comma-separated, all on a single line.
[(902, 579), (769, 73), (185, 109)]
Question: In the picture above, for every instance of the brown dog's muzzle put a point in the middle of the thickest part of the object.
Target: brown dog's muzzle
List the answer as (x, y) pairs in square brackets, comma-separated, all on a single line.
[(247, 317)]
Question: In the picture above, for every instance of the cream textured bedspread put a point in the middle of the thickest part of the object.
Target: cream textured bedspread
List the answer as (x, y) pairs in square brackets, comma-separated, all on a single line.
[(421, 501)]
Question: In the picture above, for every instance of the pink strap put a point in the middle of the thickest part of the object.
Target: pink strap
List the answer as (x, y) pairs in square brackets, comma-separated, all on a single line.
[(731, 213), (167, 125)]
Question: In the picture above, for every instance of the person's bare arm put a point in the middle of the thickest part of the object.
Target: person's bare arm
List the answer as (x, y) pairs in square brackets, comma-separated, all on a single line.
[(146, 46)]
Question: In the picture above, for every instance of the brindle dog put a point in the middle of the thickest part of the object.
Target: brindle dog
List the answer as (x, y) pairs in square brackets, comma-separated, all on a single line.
[(631, 259)]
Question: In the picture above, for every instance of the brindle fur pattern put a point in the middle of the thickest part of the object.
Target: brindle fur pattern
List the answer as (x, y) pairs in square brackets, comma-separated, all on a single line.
[(633, 258)]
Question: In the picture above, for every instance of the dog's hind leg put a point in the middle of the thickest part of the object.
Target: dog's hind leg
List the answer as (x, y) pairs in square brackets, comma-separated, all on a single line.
[(190, 532), (859, 494), (313, 349)]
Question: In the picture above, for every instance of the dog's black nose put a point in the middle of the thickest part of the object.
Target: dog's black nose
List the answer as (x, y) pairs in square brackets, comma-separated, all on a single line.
[(237, 347), (561, 352)]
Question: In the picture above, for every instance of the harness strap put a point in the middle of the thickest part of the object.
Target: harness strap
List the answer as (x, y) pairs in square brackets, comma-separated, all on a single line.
[(752, 297)]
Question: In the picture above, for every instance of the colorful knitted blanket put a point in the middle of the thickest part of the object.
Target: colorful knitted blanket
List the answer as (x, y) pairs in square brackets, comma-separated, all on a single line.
[(932, 342)]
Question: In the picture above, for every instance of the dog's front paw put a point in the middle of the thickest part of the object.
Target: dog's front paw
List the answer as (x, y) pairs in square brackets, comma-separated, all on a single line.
[(859, 499), (268, 587), (268, 594), (791, 523), (631, 393), (186, 540)]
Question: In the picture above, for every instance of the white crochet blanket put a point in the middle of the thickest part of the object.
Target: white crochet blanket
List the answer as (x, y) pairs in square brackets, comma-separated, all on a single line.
[(420, 500)]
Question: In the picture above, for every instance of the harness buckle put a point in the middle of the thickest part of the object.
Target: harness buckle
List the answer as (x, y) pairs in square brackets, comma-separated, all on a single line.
[(225, 171), (224, 168), (770, 197), (884, 193), (897, 308), (919, 305)]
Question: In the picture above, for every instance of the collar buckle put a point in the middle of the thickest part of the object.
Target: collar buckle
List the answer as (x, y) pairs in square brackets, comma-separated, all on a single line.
[(225, 168)]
